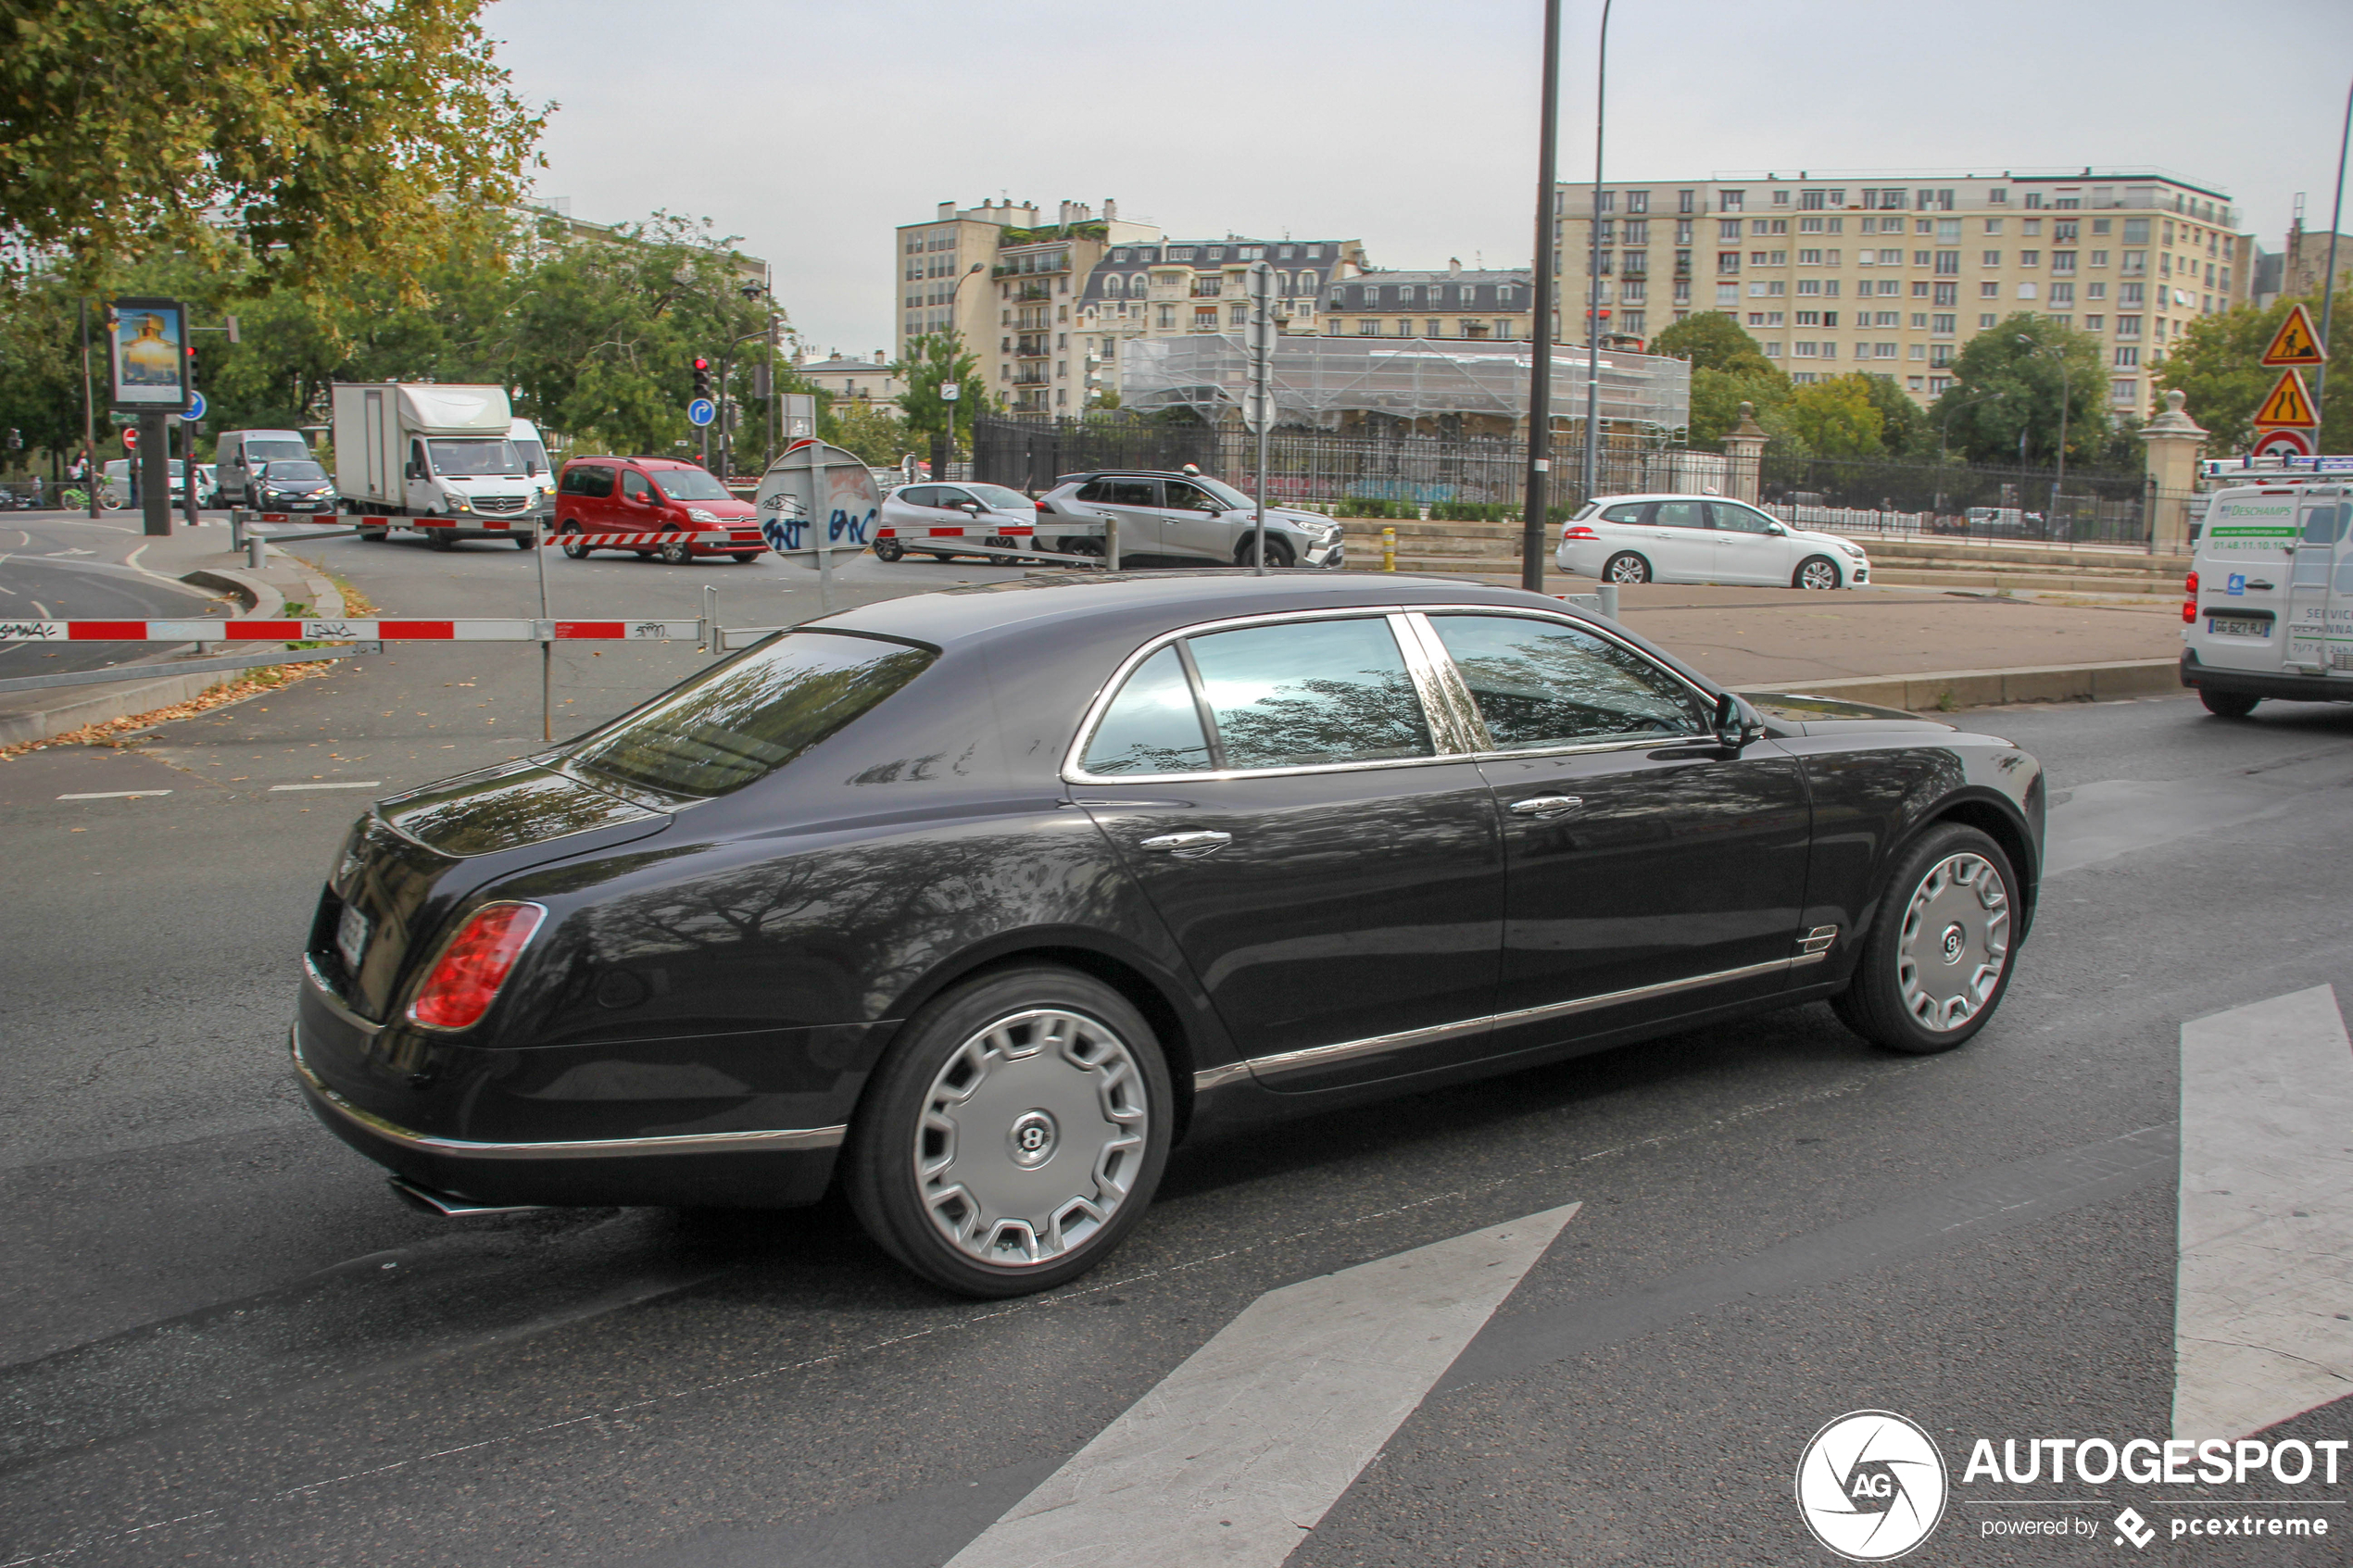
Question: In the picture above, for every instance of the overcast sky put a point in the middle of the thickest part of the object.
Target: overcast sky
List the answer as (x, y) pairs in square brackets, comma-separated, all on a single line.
[(811, 130)]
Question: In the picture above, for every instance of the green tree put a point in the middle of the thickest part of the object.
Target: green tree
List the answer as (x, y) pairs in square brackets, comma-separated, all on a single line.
[(1713, 341), (934, 360), (1716, 396), (1903, 423), (2218, 367), (875, 431), (2007, 390), (332, 136), (1836, 418)]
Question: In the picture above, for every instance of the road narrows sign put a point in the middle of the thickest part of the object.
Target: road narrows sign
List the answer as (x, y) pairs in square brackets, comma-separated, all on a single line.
[(2296, 343), (2288, 405)]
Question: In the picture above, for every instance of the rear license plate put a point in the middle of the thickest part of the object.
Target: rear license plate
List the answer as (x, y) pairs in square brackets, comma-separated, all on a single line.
[(2230, 626), (351, 937)]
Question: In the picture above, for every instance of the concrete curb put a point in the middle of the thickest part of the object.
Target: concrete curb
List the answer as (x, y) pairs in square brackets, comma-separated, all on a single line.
[(1937, 691)]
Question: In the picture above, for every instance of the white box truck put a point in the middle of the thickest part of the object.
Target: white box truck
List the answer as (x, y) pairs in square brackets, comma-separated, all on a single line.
[(422, 449)]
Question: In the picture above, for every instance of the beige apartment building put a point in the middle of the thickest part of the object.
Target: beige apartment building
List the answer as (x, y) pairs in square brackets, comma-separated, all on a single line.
[(1469, 304), (1007, 284), (1892, 274), (1177, 289)]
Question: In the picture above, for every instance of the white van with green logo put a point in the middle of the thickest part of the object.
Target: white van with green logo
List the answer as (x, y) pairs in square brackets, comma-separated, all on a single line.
[(2268, 611)]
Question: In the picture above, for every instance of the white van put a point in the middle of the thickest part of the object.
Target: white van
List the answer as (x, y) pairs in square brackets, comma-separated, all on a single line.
[(240, 452), (2268, 611), (536, 464)]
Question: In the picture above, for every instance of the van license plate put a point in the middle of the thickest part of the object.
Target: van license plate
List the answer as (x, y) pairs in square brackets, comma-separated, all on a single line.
[(351, 937), (2230, 626)]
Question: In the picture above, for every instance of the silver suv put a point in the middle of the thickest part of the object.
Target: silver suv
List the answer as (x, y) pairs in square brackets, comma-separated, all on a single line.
[(1182, 519)]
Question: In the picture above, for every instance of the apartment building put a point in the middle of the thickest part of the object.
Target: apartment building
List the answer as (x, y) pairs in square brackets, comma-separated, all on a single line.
[(1172, 289), (1892, 273), (1003, 281), (852, 380), (1453, 304)]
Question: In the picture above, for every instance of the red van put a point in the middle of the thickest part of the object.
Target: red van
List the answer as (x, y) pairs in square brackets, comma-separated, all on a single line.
[(653, 496)]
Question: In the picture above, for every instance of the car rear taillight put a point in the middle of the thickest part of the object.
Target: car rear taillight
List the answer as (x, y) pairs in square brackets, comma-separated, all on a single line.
[(2189, 605), (466, 978), (1043, 507), (1576, 534)]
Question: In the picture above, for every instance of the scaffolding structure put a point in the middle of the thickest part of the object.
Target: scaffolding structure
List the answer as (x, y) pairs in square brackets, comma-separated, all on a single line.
[(1320, 381)]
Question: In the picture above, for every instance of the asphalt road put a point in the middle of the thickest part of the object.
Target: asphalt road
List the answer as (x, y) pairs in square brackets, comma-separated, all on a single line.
[(53, 567), (221, 1340)]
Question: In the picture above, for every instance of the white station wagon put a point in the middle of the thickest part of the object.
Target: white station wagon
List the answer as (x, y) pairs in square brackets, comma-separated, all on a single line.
[(1702, 539)]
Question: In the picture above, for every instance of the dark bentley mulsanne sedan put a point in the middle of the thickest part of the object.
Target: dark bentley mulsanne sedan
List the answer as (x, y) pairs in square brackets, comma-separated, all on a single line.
[(975, 901)]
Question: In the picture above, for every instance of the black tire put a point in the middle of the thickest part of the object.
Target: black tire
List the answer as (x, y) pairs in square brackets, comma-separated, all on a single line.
[(1625, 567), (2227, 705), (676, 552), (1875, 1004), (878, 1168), (1815, 567), (889, 550), (941, 559), (374, 535), (522, 541), (441, 538), (575, 552), (745, 558), (1277, 552)]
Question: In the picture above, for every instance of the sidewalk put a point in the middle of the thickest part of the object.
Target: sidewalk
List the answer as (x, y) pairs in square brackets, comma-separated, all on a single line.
[(201, 557)]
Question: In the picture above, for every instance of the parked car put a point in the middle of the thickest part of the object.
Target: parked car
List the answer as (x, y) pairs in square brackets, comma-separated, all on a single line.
[(291, 484), (974, 902), (930, 518), (1660, 538), (648, 498), (1183, 519)]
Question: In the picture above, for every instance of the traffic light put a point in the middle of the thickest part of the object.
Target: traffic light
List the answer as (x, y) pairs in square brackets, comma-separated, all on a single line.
[(703, 376), (192, 367)]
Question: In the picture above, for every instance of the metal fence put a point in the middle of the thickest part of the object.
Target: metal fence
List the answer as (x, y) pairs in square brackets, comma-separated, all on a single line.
[(1957, 499)]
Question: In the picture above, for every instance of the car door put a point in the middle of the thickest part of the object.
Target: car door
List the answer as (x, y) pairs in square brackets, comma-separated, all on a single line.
[(2319, 596), (417, 486), (1193, 527), (1682, 549), (1746, 547), (1650, 870), (635, 513), (1133, 504), (1330, 866)]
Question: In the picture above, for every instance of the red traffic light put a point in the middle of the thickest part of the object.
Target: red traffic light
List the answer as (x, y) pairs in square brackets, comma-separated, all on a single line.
[(702, 364)]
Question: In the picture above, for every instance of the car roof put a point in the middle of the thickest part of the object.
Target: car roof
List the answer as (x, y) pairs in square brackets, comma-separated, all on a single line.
[(1666, 495), (1082, 477), (642, 462)]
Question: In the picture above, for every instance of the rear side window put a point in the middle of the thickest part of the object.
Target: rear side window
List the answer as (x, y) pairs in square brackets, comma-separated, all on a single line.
[(1094, 490), (586, 479), (1129, 493), (1679, 514), (739, 720), (1624, 514), (1153, 726), (1540, 684), (918, 495), (1312, 692)]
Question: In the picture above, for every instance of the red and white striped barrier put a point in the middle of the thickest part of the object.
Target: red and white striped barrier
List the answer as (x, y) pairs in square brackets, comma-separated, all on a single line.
[(981, 532), (473, 631), (649, 541)]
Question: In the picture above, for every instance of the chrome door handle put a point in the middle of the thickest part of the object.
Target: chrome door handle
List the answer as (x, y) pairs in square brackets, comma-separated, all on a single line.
[(1189, 845), (1545, 805)]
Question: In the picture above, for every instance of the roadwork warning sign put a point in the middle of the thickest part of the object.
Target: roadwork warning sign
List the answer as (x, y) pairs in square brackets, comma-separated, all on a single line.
[(2295, 344)]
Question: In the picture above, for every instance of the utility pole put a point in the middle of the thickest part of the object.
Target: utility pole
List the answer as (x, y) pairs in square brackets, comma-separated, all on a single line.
[(2328, 285), (1258, 404), (1593, 279), (1540, 359)]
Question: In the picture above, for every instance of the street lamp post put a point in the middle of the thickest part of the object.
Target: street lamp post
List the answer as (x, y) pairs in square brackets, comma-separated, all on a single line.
[(2067, 395), (945, 453), (1540, 359), (1593, 273)]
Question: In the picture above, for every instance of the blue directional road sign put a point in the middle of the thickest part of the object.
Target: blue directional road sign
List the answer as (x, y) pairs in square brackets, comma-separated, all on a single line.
[(701, 411), (194, 409)]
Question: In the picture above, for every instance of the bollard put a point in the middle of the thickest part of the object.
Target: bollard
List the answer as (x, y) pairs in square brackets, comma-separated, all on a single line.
[(255, 545), (1111, 543), (1607, 593), (238, 530), (1389, 549)]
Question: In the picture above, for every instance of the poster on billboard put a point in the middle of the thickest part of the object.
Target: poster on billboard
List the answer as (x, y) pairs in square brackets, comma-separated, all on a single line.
[(814, 496), (147, 354)]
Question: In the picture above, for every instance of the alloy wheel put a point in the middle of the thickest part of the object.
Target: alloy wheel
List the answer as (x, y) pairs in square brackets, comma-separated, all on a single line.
[(1817, 574), (1954, 942), (1031, 1136)]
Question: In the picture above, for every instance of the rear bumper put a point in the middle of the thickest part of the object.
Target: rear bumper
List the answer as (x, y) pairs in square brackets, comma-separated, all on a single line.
[(2268, 684)]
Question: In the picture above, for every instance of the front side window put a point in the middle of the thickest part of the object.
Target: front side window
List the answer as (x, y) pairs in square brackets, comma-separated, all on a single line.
[(741, 719), (635, 488), (1730, 519), (1540, 684)]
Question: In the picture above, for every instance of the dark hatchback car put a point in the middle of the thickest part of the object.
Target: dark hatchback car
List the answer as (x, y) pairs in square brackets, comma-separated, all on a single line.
[(973, 902)]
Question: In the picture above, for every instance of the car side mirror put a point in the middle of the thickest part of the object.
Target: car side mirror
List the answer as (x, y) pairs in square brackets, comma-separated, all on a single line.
[(970, 508), (1736, 727), (1776, 528)]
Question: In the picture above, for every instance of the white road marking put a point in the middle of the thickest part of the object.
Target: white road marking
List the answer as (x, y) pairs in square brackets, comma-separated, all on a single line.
[(1242, 1449), (44, 609), (355, 783), (115, 795), (2265, 1277)]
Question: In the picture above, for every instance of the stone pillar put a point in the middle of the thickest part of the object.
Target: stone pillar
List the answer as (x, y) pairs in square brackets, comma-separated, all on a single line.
[(2173, 441), (1744, 449)]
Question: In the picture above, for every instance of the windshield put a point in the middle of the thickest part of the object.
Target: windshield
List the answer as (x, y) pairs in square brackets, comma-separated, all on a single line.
[(464, 459), (270, 451), (739, 720), (998, 497), (1226, 493), (288, 472), (690, 485), (535, 457)]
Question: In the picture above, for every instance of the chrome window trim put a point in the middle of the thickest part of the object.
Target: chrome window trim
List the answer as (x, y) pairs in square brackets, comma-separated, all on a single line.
[(1645, 743), (1313, 1056), (781, 1139), (1074, 770)]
